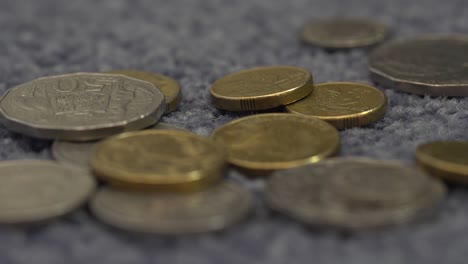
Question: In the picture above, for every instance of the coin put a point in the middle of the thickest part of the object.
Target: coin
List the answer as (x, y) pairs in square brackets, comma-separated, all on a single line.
[(168, 86), (307, 195), (428, 65), (261, 88), (163, 159), (445, 159), (34, 191), (343, 104), (339, 33), (78, 153), (268, 142), (211, 209), (81, 106)]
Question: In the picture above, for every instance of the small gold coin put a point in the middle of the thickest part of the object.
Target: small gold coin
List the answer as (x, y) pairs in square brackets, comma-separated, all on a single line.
[(159, 159), (269, 142), (445, 159), (168, 86), (261, 88), (343, 104)]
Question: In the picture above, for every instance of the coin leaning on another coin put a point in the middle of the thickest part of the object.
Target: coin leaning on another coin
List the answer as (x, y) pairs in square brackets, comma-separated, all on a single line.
[(211, 209), (33, 191), (343, 104), (261, 88), (81, 106)]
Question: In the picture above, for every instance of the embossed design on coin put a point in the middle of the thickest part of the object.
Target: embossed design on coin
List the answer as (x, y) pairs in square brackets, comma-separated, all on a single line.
[(445, 159), (33, 191), (168, 86), (211, 209), (277, 141), (261, 88), (338, 33), (78, 153), (314, 194), (159, 159), (343, 104), (81, 106), (432, 65)]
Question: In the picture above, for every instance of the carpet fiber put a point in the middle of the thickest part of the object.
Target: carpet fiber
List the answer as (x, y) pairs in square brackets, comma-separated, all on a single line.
[(196, 42)]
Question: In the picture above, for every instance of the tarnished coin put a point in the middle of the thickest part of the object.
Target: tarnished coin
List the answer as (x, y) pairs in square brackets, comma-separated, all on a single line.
[(431, 65), (81, 106), (34, 191), (268, 142), (445, 159), (308, 194), (211, 209), (163, 159), (343, 104), (168, 86), (338, 33), (261, 88), (78, 153)]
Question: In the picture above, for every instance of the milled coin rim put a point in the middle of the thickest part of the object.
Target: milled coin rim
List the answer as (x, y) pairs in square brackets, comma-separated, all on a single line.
[(268, 166)]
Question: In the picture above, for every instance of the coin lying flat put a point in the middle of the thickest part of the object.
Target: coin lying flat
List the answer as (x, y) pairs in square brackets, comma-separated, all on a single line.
[(34, 190), (168, 86), (349, 193), (338, 33), (162, 159), (261, 88), (343, 104), (211, 209), (430, 65), (445, 159), (276, 141), (78, 153), (81, 106)]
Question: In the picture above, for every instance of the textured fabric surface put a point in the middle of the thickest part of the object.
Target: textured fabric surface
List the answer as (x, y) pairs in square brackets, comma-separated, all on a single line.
[(197, 42)]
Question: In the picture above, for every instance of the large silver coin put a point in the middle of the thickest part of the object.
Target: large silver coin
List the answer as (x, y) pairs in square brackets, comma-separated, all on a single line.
[(308, 194), (33, 190), (427, 65), (81, 106), (211, 209), (78, 153), (338, 33)]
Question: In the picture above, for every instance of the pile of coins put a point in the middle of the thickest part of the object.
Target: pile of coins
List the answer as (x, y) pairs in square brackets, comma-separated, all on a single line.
[(157, 178)]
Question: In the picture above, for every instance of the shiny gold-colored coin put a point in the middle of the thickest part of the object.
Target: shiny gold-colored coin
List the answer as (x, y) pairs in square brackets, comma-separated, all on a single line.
[(343, 104), (261, 88), (445, 159), (168, 86), (159, 159), (269, 142)]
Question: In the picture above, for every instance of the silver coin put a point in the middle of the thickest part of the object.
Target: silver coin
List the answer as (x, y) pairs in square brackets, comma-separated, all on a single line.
[(211, 209), (81, 106), (428, 65), (78, 153), (337, 33), (33, 190), (305, 194)]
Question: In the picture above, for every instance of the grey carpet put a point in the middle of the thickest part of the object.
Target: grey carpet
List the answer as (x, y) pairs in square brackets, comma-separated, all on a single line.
[(197, 42)]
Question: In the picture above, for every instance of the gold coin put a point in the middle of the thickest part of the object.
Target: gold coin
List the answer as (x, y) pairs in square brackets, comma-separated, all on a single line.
[(158, 159), (269, 142), (168, 86), (343, 104), (445, 159), (261, 88)]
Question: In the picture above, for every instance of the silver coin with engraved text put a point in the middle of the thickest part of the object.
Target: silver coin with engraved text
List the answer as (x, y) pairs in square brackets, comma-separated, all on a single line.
[(81, 106), (211, 209), (34, 191), (78, 153), (434, 65), (315, 194)]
